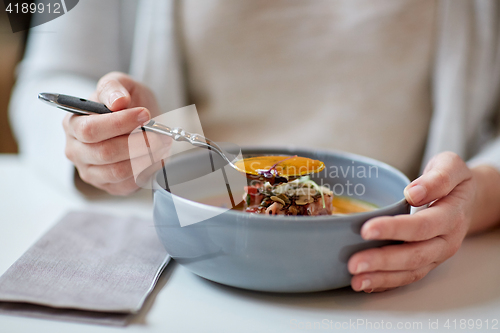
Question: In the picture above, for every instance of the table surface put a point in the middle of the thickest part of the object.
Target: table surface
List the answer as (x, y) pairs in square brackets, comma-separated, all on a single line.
[(463, 288)]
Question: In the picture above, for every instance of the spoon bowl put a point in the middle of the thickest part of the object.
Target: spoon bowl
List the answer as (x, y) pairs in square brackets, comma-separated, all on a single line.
[(271, 168)]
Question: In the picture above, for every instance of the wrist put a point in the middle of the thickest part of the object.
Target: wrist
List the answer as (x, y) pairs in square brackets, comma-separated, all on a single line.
[(486, 206)]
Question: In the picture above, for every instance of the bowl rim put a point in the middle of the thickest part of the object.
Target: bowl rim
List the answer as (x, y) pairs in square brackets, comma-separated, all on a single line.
[(295, 218)]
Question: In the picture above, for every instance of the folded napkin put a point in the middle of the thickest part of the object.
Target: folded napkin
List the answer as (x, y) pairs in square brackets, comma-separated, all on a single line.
[(89, 267)]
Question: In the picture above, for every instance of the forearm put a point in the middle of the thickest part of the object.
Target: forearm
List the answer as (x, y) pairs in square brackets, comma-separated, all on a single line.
[(486, 214)]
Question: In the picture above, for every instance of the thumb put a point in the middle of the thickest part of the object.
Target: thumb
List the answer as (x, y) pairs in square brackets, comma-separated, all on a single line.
[(443, 173), (113, 89)]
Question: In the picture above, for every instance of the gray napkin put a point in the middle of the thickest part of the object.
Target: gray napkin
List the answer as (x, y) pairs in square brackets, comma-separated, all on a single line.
[(89, 267)]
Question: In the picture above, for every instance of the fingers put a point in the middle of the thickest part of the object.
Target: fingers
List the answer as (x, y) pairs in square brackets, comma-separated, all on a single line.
[(443, 173), (107, 174), (380, 281), (377, 290), (102, 146), (431, 235), (107, 164), (96, 128), (117, 149), (119, 91), (123, 188), (447, 217), (380, 269), (120, 171), (426, 224), (403, 257)]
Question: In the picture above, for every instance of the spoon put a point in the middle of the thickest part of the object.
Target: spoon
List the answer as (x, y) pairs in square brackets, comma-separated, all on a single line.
[(81, 106)]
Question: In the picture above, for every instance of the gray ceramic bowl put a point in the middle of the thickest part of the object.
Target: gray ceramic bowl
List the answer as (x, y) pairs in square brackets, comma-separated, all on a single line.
[(279, 253)]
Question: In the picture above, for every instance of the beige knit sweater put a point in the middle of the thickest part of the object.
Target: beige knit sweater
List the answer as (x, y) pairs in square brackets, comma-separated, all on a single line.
[(456, 54)]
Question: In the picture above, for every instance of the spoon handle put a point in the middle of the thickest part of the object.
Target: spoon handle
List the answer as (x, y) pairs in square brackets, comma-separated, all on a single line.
[(82, 106), (176, 133), (72, 104), (179, 134)]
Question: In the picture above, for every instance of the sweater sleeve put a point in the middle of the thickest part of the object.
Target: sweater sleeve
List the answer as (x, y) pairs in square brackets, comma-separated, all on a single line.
[(67, 55), (490, 155)]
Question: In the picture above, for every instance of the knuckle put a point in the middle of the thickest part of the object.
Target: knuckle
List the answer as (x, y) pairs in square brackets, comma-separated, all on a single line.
[(415, 276), (461, 217), (416, 260), (458, 163), (122, 189), (102, 83), (119, 171), (69, 152), (453, 157), (110, 189), (425, 228), (105, 153), (85, 130), (412, 277), (105, 87), (454, 223), (443, 179), (84, 175), (453, 248), (128, 191), (119, 122), (457, 223)]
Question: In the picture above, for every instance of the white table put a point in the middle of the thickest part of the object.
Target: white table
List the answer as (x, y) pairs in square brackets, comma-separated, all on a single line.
[(465, 287)]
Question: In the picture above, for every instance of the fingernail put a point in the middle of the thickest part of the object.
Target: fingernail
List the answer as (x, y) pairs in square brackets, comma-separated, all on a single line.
[(143, 117), (371, 234), (365, 284), (416, 193), (369, 291), (114, 96), (362, 267)]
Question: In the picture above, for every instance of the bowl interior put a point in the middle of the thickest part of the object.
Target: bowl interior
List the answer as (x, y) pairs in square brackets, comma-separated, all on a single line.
[(345, 174)]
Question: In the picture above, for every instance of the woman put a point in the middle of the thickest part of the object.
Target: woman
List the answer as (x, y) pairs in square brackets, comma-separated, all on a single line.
[(351, 75)]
